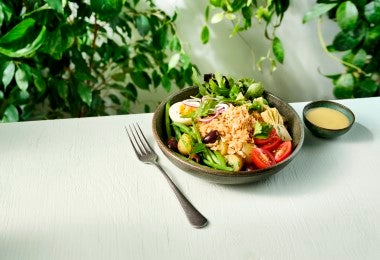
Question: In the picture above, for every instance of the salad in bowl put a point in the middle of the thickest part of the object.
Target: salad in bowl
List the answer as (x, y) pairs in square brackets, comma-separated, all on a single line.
[(228, 127)]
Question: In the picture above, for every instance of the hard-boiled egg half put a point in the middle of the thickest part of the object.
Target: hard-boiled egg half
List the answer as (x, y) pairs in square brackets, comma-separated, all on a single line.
[(179, 110)]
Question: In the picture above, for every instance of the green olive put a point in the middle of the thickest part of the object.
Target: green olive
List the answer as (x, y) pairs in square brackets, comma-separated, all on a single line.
[(235, 161), (185, 144)]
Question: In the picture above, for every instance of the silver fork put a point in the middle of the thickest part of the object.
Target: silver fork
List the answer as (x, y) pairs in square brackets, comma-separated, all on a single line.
[(146, 154)]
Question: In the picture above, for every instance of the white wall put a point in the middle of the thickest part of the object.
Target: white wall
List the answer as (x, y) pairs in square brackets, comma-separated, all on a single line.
[(297, 79)]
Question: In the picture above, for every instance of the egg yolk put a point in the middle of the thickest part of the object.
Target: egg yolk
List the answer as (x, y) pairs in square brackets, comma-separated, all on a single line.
[(185, 110)]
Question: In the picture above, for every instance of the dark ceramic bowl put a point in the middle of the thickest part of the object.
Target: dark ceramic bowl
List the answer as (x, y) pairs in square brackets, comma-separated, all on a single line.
[(325, 132), (293, 124)]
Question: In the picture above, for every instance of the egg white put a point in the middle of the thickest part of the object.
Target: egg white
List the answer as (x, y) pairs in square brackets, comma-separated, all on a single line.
[(175, 116)]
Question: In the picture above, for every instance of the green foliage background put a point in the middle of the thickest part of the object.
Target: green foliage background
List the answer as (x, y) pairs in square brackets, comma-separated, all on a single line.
[(356, 46), (62, 58), (357, 42), (84, 58)]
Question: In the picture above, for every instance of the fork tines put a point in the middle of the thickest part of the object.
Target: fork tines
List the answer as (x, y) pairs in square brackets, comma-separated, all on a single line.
[(138, 140)]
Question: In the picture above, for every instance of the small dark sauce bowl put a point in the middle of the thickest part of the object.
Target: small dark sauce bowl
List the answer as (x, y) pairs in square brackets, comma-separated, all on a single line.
[(325, 132)]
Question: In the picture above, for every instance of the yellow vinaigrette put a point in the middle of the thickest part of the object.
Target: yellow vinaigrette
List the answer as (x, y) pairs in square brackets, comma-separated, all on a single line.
[(327, 118)]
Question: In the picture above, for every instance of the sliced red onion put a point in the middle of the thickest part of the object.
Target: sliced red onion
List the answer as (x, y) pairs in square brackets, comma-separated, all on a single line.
[(191, 102), (221, 107), (209, 118)]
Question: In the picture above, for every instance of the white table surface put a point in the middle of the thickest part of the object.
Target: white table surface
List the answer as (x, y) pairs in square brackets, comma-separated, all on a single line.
[(73, 189)]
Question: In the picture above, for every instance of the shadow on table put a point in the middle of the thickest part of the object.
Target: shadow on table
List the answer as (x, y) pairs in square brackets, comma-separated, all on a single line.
[(316, 166)]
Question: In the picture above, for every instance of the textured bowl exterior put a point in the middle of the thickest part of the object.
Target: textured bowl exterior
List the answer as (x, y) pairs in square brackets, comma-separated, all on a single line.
[(323, 132), (293, 123)]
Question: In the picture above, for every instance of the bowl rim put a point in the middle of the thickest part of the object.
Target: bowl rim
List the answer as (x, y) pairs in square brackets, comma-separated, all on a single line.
[(220, 173), (333, 105)]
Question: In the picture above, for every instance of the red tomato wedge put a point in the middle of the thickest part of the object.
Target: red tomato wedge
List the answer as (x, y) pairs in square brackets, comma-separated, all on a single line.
[(262, 158), (272, 145), (272, 136), (283, 151)]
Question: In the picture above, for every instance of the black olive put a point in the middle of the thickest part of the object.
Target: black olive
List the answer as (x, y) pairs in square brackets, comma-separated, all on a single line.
[(195, 157), (226, 82), (250, 167), (207, 77), (172, 143), (211, 137)]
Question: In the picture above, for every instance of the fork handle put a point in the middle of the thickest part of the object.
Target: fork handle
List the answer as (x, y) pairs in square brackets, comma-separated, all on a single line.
[(192, 214)]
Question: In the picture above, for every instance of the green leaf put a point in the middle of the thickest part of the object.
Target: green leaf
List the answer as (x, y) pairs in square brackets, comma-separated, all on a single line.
[(372, 36), (21, 79), (174, 61), (118, 76), (156, 79), (372, 12), (115, 99), (160, 38), (263, 13), (262, 130), (106, 8), (175, 44), (2, 16), (165, 81), (20, 97), (5, 13), (365, 88), (207, 13), (141, 62), (345, 80), (56, 5), (216, 3), (85, 93), (18, 32), (8, 73), (23, 40), (185, 59), (141, 79), (317, 10), (205, 34), (360, 58), (218, 17), (58, 41), (142, 25), (344, 86), (130, 92), (62, 88), (347, 15), (345, 40), (39, 82), (278, 49), (10, 114)]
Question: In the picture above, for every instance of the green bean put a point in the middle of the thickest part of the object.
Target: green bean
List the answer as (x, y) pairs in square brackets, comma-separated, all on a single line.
[(196, 133), (184, 129), (177, 132), (217, 166), (220, 158), (167, 120), (207, 154)]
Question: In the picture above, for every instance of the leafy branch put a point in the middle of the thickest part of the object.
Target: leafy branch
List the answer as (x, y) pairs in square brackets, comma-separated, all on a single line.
[(85, 58), (240, 13), (359, 22)]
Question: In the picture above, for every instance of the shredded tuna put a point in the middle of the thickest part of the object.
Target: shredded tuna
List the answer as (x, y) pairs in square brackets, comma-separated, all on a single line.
[(235, 127)]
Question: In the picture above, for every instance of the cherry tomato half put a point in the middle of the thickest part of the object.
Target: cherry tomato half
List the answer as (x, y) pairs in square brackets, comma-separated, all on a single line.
[(262, 158), (262, 141), (283, 151), (272, 145)]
